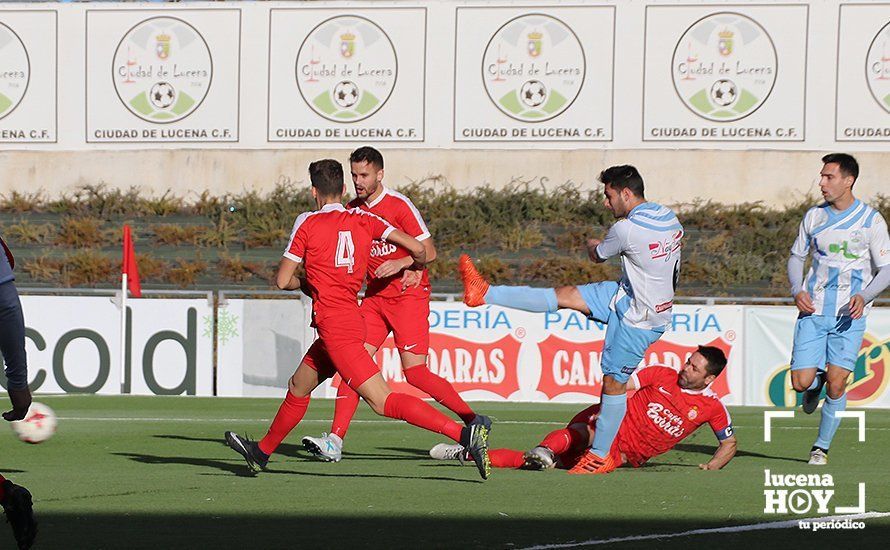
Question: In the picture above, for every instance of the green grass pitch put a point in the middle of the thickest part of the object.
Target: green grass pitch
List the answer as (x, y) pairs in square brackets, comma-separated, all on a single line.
[(153, 472)]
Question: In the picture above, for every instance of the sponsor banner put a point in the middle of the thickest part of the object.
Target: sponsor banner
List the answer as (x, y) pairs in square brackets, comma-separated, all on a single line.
[(863, 73), (534, 74), (73, 346), (337, 75), (491, 353), (28, 100), (260, 343), (736, 73), (770, 335), (162, 76)]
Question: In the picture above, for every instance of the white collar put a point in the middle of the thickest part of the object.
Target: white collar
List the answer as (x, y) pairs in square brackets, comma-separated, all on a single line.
[(331, 207), (379, 198)]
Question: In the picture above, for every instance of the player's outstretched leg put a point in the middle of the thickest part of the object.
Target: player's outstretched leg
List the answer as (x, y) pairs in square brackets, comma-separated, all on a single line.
[(439, 389), (19, 510), (477, 292)]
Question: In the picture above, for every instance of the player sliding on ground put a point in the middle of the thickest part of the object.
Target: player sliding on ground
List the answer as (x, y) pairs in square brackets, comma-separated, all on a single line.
[(637, 309), (666, 409), (397, 301), (334, 245), (846, 237)]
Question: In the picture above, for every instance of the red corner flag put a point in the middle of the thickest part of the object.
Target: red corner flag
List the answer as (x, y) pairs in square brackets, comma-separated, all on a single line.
[(129, 267)]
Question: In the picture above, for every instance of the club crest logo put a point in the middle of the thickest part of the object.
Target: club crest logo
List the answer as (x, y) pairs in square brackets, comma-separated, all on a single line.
[(877, 69), (724, 67), (162, 70), (533, 68), (15, 70), (693, 413), (346, 68)]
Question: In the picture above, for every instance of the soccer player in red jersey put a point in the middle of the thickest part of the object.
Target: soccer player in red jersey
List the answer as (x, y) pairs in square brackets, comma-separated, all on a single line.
[(397, 300), (334, 245), (667, 407)]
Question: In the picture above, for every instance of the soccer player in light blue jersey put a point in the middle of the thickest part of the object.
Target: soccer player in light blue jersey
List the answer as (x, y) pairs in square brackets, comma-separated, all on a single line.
[(850, 248), (637, 308)]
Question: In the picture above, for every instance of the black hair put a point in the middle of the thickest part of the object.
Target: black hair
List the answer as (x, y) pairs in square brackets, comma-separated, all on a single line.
[(326, 176), (369, 155), (846, 163), (715, 357), (623, 177)]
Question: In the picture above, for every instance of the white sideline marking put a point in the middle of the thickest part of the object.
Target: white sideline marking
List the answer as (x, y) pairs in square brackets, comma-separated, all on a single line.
[(788, 524)]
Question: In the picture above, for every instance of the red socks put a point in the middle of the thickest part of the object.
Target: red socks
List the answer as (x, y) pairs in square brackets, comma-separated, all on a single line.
[(289, 415), (505, 458), (564, 440), (412, 410), (344, 409), (2, 489), (439, 389)]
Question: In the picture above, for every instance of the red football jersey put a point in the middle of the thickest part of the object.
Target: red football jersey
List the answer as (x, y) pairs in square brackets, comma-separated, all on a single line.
[(400, 212), (334, 244), (661, 414)]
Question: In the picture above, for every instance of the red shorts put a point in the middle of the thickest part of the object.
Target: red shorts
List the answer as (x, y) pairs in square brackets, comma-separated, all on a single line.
[(407, 317), (343, 351)]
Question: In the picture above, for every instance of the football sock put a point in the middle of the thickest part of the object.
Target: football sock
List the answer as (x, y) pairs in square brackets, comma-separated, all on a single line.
[(816, 381), (612, 411), (830, 421), (289, 415), (344, 409), (564, 440), (2, 489), (505, 458), (412, 410), (525, 298), (439, 389)]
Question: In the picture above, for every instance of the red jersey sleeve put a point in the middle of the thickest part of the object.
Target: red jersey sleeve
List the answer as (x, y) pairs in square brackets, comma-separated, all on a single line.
[(720, 421), (654, 374), (296, 246), (410, 220)]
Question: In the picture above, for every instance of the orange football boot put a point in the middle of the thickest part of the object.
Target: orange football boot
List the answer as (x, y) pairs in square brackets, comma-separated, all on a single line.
[(475, 285), (593, 464)]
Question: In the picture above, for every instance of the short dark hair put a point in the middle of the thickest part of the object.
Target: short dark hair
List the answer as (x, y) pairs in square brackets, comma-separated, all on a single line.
[(715, 357), (326, 176), (846, 163), (369, 155), (623, 177)]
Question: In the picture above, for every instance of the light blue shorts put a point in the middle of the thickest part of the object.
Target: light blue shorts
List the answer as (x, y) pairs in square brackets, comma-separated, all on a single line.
[(625, 345), (821, 340)]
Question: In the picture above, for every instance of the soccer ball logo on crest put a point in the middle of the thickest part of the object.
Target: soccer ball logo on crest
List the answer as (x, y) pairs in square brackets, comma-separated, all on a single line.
[(724, 92), (533, 93), (346, 94), (162, 95)]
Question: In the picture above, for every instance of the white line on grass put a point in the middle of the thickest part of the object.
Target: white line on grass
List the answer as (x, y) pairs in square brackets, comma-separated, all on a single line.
[(373, 421), (789, 524)]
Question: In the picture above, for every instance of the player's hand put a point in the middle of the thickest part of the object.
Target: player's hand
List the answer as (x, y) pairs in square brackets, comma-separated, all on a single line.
[(411, 278), (21, 402), (591, 248), (857, 306), (391, 267), (804, 303)]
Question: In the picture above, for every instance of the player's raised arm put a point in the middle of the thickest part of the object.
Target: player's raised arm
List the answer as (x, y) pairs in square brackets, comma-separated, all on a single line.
[(724, 453)]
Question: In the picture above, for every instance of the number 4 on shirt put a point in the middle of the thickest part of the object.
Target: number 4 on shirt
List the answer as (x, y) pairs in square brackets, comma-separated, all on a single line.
[(345, 251)]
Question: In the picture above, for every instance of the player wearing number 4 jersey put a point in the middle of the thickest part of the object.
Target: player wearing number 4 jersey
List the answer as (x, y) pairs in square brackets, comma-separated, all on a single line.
[(334, 245), (637, 309), (667, 407), (397, 300), (845, 238)]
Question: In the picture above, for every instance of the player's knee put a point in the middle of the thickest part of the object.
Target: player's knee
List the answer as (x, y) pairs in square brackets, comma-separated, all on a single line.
[(799, 382)]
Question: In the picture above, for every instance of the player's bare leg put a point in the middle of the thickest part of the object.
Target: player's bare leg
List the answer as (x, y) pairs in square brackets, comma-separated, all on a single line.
[(810, 383), (290, 413)]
